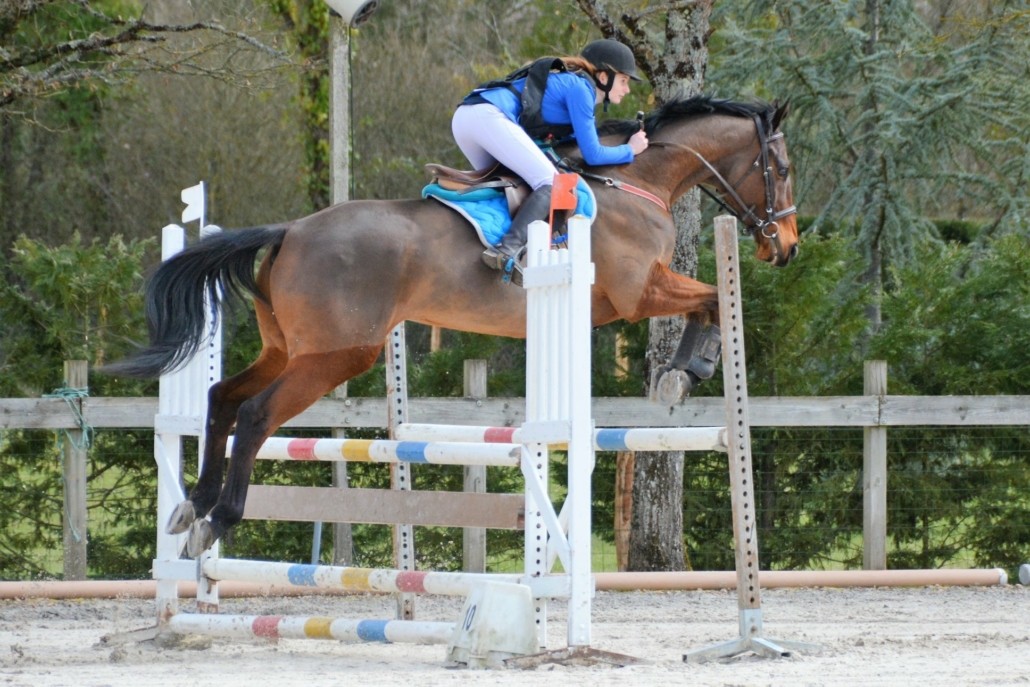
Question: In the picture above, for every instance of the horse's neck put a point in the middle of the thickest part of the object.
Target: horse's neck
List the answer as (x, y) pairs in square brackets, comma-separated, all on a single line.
[(675, 168)]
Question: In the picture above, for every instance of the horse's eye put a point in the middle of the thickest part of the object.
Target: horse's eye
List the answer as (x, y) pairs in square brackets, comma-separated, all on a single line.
[(783, 172)]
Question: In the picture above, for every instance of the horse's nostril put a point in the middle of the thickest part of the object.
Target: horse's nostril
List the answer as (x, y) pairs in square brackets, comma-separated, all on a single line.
[(793, 252)]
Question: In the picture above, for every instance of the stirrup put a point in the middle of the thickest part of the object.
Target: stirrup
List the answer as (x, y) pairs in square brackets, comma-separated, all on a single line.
[(512, 272), (509, 266)]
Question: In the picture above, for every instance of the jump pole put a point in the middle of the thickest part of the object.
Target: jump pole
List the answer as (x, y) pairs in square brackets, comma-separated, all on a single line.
[(611, 439), (667, 581), (288, 627), (742, 485)]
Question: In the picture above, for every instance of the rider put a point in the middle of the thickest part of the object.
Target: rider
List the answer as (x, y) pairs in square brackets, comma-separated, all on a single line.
[(490, 126)]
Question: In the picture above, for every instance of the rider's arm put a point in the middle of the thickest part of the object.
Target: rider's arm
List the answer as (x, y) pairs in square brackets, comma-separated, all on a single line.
[(581, 103)]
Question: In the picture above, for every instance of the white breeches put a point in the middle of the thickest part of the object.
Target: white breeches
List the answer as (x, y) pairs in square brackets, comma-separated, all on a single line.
[(485, 135)]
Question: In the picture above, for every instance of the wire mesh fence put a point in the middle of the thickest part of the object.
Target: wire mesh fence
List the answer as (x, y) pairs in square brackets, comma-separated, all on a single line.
[(957, 497)]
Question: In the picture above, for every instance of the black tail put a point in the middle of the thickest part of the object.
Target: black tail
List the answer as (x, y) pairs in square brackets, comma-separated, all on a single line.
[(221, 266)]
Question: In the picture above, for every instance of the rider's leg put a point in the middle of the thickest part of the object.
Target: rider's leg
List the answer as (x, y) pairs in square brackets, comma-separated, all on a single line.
[(485, 134), (536, 206), (466, 127)]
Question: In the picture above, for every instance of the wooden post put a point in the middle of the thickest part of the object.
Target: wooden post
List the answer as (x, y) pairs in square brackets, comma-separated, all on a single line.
[(473, 554), (624, 462), (621, 359), (343, 537), (435, 339), (75, 471), (339, 192), (339, 111), (874, 476)]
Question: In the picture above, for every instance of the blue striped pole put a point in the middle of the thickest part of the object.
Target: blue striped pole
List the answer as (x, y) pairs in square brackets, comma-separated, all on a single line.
[(614, 439)]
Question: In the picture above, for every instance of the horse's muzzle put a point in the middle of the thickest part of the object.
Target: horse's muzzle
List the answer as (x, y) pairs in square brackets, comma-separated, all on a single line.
[(779, 258)]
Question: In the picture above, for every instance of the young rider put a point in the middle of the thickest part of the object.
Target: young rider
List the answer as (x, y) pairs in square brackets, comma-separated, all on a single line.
[(489, 127)]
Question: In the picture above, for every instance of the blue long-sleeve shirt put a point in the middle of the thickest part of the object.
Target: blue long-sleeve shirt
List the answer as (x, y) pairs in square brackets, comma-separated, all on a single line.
[(568, 99)]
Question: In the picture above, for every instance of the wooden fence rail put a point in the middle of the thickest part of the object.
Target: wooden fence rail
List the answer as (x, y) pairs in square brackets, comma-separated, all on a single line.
[(779, 411)]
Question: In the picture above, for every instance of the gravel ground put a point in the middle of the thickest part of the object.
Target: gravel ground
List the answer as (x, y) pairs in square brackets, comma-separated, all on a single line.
[(934, 636)]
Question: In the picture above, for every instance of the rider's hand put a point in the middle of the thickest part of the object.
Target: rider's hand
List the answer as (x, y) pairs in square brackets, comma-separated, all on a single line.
[(638, 142)]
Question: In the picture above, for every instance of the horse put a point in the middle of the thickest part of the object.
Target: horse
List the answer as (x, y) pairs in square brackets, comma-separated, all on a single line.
[(332, 285)]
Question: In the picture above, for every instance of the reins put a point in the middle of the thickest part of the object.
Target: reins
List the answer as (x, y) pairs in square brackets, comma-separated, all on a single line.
[(750, 220), (564, 163)]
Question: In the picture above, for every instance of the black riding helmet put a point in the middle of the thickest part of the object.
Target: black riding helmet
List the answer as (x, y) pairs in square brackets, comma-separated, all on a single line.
[(610, 57)]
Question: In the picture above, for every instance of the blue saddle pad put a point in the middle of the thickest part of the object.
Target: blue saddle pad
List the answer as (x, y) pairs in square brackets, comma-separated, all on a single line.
[(487, 209)]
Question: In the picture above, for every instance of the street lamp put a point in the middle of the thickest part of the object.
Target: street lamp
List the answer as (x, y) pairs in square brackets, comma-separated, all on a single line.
[(354, 12)]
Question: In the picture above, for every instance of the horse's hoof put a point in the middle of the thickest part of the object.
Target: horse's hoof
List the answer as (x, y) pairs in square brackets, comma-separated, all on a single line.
[(182, 517), (656, 375), (201, 538), (668, 386)]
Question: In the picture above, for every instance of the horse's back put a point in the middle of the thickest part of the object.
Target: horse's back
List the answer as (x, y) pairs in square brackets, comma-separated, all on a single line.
[(346, 275)]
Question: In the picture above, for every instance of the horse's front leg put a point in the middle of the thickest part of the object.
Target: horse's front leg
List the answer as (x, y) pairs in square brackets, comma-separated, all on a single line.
[(694, 361), (699, 349)]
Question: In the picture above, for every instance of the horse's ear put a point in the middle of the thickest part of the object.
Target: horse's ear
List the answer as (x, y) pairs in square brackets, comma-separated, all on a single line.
[(780, 114)]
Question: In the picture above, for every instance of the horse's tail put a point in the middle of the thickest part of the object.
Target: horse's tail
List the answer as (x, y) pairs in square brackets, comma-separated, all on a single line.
[(219, 267)]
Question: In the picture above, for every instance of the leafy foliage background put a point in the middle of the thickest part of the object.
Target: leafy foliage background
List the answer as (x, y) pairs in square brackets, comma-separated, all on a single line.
[(911, 148)]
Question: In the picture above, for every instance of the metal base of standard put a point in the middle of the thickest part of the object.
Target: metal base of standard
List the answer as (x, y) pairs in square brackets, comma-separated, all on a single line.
[(580, 656), (751, 639), (769, 648), (145, 634)]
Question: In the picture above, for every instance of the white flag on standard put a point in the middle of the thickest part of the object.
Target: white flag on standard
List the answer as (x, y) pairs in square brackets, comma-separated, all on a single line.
[(194, 199)]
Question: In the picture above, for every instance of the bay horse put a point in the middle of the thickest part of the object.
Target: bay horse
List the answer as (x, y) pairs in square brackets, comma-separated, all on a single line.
[(331, 286)]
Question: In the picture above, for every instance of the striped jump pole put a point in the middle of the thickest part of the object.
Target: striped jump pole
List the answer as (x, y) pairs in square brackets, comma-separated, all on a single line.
[(386, 451), (293, 627), (351, 579), (615, 439)]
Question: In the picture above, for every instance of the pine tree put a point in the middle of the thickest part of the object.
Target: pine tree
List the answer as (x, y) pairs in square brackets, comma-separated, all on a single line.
[(902, 111)]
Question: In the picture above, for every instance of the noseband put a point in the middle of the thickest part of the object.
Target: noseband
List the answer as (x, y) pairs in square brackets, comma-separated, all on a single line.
[(752, 222)]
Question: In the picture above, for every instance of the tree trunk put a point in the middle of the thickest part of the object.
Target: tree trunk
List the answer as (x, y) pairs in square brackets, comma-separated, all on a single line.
[(8, 224), (656, 534), (874, 272), (674, 57)]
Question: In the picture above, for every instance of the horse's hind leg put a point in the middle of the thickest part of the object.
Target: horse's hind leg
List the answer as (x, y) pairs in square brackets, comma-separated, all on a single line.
[(224, 400), (304, 380)]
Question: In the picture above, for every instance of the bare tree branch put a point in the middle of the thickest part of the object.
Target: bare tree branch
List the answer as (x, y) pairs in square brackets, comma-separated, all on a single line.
[(107, 56)]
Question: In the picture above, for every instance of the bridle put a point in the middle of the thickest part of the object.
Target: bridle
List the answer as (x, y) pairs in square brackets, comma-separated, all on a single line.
[(752, 222)]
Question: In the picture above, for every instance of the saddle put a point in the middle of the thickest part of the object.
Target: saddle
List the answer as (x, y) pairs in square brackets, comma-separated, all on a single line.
[(496, 176)]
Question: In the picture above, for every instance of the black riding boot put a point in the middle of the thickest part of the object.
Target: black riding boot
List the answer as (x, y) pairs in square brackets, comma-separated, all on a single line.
[(505, 256)]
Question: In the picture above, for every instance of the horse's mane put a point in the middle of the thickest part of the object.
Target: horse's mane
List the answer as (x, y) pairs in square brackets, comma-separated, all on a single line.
[(683, 108)]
